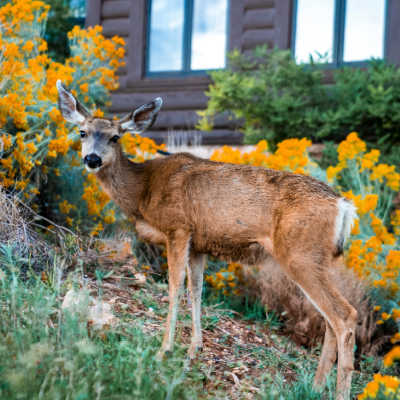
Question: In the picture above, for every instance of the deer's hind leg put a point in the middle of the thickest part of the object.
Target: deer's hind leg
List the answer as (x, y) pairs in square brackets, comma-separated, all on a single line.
[(195, 283), (312, 278), (328, 356)]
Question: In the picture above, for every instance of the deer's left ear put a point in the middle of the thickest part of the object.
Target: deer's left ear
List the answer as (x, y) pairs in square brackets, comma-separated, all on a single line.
[(143, 117), (69, 106)]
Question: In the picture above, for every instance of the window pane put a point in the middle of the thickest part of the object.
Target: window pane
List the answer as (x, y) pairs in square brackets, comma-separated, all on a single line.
[(209, 34), (166, 35), (314, 29), (78, 8), (364, 29)]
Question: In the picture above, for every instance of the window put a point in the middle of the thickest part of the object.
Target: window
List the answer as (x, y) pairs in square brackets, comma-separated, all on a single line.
[(339, 31), (78, 11), (186, 36)]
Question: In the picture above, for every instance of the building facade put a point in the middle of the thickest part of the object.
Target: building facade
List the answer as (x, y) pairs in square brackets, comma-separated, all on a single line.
[(171, 44)]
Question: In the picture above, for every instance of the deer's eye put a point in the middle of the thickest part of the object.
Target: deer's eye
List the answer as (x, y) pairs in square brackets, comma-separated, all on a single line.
[(114, 139), (83, 134)]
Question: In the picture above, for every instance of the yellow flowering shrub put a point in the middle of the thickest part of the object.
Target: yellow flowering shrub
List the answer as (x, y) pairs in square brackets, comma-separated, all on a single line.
[(291, 155), (36, 143), (227, 280), (392, 356), (382, 387), (362, 167)]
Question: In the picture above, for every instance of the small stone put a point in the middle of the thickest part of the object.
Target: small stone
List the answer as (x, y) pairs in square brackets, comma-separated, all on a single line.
[(140, 279)]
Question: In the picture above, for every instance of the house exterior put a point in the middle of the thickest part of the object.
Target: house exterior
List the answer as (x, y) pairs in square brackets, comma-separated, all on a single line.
[(171, 44)]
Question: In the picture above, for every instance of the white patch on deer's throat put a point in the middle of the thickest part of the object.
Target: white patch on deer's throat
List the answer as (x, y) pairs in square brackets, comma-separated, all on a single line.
[(93, 170)]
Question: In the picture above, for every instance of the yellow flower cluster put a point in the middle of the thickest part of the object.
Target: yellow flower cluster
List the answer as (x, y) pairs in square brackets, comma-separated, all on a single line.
[(351, 148), (107, 55), (395, 221), (227, 279), (138, 147), (97, 230), (66, 207), (392, 356), (95, 198), (352, 151), (291, 155), (14, 16), (388, 172), (364, 204), (257, 157), (388, 385), (394, 314), (381, 231), (363, 259)]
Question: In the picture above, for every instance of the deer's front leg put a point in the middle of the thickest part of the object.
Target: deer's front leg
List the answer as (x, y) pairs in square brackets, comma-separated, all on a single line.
[(195, 284), (178, 254)]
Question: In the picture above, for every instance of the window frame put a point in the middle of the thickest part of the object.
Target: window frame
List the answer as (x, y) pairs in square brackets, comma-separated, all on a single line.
[(188, 14), (339, 24)]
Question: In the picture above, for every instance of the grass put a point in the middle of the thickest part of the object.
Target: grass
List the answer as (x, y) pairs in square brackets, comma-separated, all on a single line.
[(48, 353)]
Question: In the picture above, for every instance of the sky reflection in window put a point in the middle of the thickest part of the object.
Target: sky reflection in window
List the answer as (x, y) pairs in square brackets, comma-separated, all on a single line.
[(314, 29), (166, 35), (209, 34), (364, 29)]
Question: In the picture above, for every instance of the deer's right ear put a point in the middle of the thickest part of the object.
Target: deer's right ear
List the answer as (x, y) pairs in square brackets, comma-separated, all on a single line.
[(143, 117), (69, 106)]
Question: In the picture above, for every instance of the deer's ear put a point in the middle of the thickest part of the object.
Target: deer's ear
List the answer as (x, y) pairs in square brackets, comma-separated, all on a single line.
[(69, 106), (142, 118)]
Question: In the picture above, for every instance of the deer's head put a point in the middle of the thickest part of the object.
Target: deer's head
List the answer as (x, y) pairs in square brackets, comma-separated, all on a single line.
[(100, 136)]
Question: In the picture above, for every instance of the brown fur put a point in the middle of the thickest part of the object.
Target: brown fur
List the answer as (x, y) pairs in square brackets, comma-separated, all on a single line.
[(235, 212)]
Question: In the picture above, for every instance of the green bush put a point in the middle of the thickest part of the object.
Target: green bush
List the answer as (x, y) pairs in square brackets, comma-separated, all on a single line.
[(61, 20), (275, 99)]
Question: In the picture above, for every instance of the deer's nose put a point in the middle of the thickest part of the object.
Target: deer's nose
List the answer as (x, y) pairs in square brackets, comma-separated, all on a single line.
[(92, 160)]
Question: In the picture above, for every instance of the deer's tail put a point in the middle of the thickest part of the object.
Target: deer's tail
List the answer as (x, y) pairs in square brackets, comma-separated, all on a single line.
[(343, 223)]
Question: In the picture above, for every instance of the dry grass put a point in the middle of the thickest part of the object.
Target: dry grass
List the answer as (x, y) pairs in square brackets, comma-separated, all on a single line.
[(303, 323), (17, 231), (13, 227)]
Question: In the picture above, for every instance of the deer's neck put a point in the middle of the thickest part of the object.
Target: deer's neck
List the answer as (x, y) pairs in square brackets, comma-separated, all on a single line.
[(123, 182)]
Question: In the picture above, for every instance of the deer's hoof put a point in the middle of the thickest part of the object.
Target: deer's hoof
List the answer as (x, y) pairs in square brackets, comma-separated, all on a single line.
[(162, 354), (194, 349)]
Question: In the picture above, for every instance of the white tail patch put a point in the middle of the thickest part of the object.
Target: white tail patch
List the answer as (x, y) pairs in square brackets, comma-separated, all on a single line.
[(344, 221)]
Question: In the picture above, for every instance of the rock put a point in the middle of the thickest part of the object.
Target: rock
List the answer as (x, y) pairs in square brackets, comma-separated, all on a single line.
[(316, 151), (140, 279), (100, 314), (96, 312)]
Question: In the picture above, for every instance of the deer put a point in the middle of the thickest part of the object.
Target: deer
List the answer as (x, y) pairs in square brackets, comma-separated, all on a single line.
[(196, 207)]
